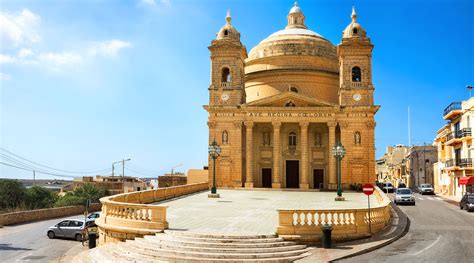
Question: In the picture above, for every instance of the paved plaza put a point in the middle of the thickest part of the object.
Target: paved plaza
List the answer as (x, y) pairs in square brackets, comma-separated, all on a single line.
[(249, 211)]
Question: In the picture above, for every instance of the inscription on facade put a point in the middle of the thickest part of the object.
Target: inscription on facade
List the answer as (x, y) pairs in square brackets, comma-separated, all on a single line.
[(288, 114)]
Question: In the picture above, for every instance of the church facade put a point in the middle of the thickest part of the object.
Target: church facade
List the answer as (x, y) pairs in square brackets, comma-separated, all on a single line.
[(277, 111)]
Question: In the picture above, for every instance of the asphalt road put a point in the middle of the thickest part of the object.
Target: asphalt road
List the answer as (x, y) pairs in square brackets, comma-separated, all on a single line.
[(29, 243), (439, 232)]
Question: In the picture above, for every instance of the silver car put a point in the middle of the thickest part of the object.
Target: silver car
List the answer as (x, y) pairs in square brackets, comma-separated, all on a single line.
[(70, 228), (404, 196), (426, 189)]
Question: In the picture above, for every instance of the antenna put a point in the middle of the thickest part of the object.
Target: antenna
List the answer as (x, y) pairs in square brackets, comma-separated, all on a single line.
[(469, 87)]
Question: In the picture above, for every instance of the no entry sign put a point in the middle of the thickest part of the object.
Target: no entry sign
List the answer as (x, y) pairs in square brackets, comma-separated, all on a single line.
[(368, 189)]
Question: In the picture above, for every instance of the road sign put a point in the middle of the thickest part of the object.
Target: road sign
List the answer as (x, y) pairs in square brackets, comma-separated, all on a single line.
[(368, 189)]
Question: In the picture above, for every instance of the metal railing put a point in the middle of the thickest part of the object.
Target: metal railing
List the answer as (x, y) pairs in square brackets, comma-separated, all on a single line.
[(451, 107), (466, 132), (463, 162)]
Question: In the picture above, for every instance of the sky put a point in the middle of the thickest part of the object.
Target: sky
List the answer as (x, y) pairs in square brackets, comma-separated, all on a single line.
[(88, 83)]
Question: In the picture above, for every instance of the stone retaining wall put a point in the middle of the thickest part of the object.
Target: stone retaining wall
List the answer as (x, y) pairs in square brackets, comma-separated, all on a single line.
[(42, 214)]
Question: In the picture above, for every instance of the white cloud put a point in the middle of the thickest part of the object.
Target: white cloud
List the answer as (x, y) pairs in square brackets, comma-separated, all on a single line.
[(148, 2), (108, 48), (56, 60), (4, 76), (24, 52), (7, 59), (18, 29)]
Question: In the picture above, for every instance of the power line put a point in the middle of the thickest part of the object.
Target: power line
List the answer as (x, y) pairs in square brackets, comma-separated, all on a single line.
[(139, 173), (52, 168), (22, 168)]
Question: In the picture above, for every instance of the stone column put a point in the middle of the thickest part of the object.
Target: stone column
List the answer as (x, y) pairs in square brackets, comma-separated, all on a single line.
[(249, 154), (304, 155), (332, 161), (276, 154), (237, 155)]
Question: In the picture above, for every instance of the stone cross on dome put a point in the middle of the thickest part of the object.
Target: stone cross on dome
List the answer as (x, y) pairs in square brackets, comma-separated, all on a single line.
[(228, 18), (354, 15)]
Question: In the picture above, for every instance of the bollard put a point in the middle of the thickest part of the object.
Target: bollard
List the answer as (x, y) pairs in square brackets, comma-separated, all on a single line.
[(326, 240), (92, 240)]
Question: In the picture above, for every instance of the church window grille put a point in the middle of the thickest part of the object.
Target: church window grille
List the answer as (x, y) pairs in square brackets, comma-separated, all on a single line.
[(225, 77), (356, 74), (290, 104), (293, 89)]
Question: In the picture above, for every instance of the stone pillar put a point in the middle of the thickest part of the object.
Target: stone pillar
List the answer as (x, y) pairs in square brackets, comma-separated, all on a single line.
[(249, 154), (332, 161), (276, 154), (304, 155), (237, 155)]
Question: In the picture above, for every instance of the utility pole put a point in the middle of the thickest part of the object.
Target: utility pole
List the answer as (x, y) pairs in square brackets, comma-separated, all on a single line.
[(424, 161), (123, 171), (34, 178)]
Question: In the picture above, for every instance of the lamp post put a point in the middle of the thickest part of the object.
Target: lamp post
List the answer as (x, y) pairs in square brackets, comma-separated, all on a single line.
[(214, 152), (339, 151)]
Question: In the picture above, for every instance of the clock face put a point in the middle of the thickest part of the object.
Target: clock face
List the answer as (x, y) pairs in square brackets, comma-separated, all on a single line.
[(356, 97), (225, 97)]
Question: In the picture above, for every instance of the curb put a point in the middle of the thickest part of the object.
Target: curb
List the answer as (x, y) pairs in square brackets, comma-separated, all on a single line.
[(370, 249)]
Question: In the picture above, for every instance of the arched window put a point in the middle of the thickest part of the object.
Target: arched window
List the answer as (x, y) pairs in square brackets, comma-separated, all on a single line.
[(226, 32), (356, 75), (292, 139), (293, 89), (225, 137), (225, 77), (290, 104), (354, 31)]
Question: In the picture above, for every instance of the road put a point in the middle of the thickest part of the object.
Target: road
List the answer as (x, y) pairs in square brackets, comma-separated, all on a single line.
[(439, 232), (29, 243)]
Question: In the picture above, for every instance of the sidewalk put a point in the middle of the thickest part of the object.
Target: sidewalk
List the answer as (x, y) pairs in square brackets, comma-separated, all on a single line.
[(398, 227), (451, 199)]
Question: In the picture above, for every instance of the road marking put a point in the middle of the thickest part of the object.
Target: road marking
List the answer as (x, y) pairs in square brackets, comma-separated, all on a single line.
[(426, 248), (439, 198), (419, 198), (429, 198)]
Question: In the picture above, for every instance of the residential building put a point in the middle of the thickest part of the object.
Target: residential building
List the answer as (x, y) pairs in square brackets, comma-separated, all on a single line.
[(278, 111), (115, 184), (455, 152), (174, 179), (391, 166)]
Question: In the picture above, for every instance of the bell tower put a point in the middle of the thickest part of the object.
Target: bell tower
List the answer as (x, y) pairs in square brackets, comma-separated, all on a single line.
[(227, 67), (355, 66)]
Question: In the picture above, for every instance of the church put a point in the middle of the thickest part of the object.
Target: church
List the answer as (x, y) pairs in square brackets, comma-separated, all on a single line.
[(277, 111)]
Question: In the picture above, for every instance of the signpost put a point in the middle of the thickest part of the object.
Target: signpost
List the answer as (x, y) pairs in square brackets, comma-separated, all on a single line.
[(368, 189)]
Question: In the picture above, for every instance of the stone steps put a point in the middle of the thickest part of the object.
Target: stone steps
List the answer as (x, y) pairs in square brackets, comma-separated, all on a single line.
[(196, 247)]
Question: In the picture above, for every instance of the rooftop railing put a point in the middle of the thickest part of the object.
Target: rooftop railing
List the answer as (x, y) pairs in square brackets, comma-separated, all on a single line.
[(451, 107)]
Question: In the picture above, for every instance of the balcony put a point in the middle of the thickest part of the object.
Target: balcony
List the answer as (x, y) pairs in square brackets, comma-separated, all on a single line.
[(452, 110), (455, 164), (456, 137)]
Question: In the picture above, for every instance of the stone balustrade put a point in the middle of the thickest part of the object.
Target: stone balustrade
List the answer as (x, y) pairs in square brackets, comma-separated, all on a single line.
[(347, 224), (129, 215)]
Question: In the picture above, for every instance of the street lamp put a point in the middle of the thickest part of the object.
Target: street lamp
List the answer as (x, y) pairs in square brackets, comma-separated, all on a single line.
[(214, 152), (339, 151)]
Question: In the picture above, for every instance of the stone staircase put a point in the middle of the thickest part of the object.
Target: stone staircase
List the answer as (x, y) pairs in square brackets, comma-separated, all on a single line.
[(177, 246)]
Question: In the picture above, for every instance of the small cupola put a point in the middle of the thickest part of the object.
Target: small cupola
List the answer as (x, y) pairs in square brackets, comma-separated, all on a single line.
[(296, 17), (228, 31), (354, 30)]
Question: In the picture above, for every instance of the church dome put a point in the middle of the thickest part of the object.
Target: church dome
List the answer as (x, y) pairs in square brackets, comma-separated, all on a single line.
[(294, 57), (228, 31)]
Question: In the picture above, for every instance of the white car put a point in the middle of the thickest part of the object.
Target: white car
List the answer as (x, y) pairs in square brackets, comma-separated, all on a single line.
[(404, 196), (426, 189)]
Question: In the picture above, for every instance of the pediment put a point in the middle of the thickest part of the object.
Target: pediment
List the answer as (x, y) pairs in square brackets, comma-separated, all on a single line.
[(285, 98)]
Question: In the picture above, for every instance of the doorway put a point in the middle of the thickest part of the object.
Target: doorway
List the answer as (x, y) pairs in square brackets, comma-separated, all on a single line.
[(318, 178), (267, 177), (292, 174)]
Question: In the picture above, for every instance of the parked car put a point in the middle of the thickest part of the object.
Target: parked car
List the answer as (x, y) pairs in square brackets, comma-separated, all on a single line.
[(426, 189), (402, 185), (404, 196), (93, 216), (70, 228), (467, 202), (387, 187)]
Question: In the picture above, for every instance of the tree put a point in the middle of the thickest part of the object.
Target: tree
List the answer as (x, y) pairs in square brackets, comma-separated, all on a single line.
[(38, 197), (81, 194), (12, 194)]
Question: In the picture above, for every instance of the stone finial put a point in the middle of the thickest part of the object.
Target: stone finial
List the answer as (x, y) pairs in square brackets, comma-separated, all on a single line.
[(295, 4), (354, 15), (228, 18)]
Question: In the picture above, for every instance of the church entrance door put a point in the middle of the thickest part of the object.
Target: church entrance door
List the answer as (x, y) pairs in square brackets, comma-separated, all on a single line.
[(318, 178), (267, 177), (292, 174)]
